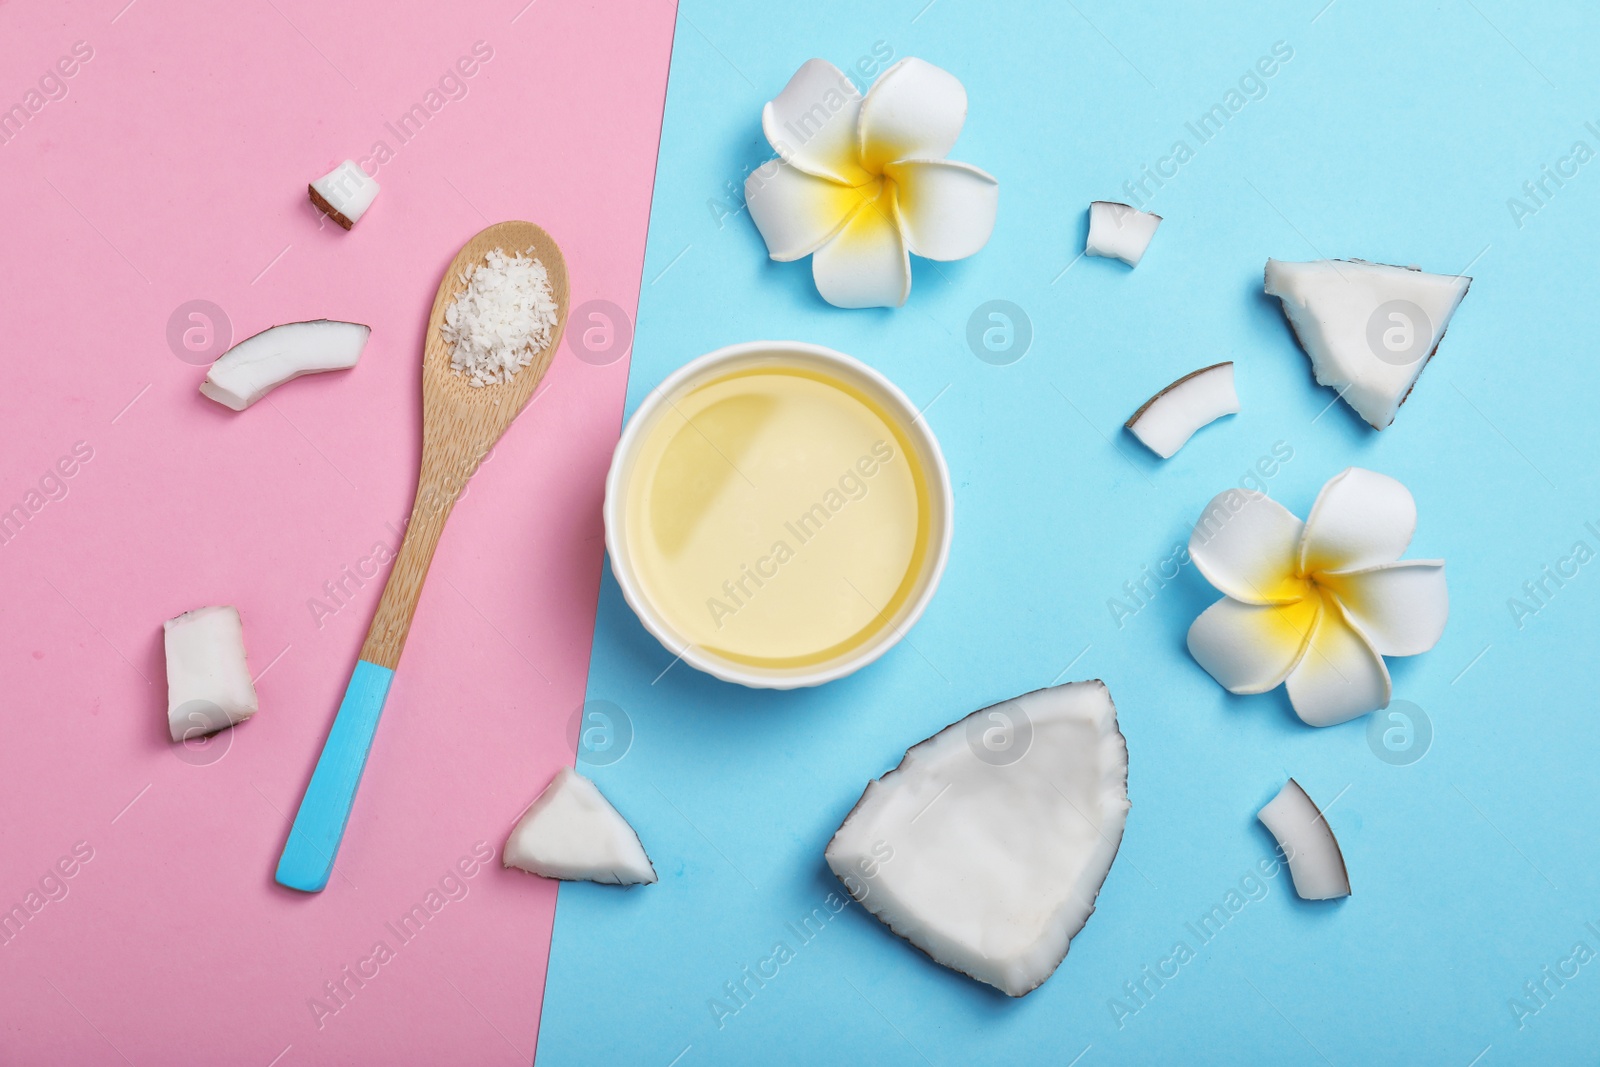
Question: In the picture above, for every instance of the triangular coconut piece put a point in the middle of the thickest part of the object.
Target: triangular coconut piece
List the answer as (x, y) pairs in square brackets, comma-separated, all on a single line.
[(987, 846), (1369, 328), (573, 833)]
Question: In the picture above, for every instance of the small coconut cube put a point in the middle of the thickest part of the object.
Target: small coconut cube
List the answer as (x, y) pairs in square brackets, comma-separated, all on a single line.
[(208, 683), (344, 193), (1119, 231)]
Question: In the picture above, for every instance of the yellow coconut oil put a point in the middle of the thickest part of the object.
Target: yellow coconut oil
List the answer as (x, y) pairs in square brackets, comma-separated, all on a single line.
[(777, 516)]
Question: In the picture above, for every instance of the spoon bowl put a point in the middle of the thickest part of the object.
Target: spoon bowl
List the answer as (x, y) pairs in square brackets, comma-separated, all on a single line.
[(460, 424)]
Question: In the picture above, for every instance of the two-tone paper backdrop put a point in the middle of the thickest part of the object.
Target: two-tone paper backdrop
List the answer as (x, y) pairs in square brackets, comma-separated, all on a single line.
[(169, 168)]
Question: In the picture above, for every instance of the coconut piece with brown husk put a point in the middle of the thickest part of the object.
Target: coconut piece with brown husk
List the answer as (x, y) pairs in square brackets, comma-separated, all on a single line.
[(572, 832), (257, 365), (987, 846), (1118, 231), (344, 193), (1167, 420), (1315, 861), (208, 683), (1368, 328)]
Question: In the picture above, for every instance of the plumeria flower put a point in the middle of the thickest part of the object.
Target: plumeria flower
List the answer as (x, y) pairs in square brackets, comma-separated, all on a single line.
[(860, 184), (1316, 605)]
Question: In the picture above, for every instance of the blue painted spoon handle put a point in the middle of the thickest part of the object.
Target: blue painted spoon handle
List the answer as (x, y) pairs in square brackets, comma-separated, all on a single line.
[(319, 826), (325, 810)]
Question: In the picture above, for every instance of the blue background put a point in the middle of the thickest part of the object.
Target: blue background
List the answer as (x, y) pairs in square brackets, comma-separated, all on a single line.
[(1396, 133)]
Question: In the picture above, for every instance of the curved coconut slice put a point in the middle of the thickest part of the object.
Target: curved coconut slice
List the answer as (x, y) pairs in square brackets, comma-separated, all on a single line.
[(257, 365), (987, 846), (1118, 231), (208, 682), (1315, 862), (573, 833), (1167, 420), (1369, 328), (344, 193)]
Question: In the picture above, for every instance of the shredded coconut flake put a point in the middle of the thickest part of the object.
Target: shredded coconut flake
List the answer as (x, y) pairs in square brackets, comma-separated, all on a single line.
[(501, 320)]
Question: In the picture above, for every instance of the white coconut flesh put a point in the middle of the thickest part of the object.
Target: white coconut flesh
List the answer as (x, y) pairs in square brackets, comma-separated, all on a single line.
[(1368, 328), (257, 365), (573, 833), (208, 683), (986, 847), (344, 193), (1118, 231), (1315, 862), (1167, 420)]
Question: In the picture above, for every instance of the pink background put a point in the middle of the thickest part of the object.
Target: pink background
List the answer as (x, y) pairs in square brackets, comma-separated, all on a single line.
[(173, 170)]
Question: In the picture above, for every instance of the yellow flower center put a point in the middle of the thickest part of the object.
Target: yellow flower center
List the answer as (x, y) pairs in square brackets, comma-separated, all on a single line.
[(1291, 588), (878, 194)]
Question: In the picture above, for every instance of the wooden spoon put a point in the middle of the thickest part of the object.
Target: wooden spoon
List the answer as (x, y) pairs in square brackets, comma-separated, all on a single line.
[(460, 424)]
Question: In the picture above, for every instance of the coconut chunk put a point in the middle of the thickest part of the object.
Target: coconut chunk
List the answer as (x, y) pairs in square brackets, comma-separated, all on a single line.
[(1315, 862), (257, 365), (208, 683), (344, 193), (1369, 328), (573, 833), (1118, 231), (1167, 420), (986, 847)]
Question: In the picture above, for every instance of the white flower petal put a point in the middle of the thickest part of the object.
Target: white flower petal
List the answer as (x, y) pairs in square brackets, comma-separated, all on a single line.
[(797, 212), (1251, 648), (1340, 677), (1361, 519), (866, 264), (946, 209), (1400, 607), (1245, 544), (812, 124), (914, 110)]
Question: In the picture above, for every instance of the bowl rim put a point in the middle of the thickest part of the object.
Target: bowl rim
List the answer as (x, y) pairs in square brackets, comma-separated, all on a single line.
[(910, 421)]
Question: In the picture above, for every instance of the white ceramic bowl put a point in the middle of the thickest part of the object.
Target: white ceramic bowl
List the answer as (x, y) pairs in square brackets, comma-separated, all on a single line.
[(895, 405)]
